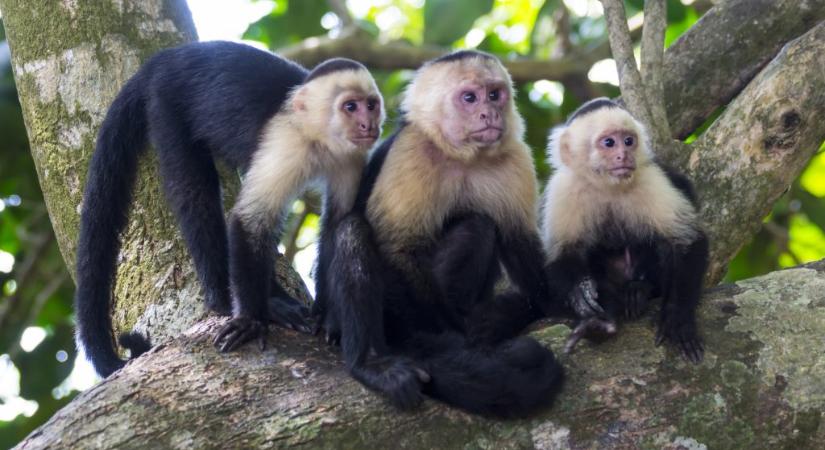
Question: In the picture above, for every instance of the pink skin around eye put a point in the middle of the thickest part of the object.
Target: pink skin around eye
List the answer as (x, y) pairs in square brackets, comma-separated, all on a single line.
[(364, 122), (480, 115), (618, 150)]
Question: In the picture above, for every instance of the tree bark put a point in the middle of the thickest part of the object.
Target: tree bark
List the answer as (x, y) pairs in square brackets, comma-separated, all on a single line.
[(758, 146), (759, 387), (66, 78)]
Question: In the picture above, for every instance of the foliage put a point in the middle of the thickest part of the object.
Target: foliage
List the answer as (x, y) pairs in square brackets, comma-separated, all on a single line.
[(37, 292)]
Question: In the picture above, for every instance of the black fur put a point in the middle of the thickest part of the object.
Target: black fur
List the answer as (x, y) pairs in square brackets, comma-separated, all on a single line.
[(461, 54), (411, 331), (592, 105), (657, 268), (195, 104), (331, 66)]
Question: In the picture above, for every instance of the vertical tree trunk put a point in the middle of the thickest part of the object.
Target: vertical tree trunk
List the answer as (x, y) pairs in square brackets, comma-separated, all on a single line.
[(70, 59)]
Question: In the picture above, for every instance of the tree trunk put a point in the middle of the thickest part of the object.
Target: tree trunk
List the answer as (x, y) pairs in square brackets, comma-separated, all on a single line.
[(70, 59), (759, 387)]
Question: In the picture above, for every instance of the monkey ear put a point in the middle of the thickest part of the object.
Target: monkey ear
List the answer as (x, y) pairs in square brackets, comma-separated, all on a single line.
[(565, 153), (299, 101)]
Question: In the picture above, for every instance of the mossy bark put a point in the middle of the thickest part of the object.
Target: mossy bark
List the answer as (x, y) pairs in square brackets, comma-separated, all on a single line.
[(760, 386), (758, 146), (70, 58)]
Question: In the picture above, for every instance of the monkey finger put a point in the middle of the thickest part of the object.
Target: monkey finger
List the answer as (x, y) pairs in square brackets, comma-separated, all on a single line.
[(225, 331)]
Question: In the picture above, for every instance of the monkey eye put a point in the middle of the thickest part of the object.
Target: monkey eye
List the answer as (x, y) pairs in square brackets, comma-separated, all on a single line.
[(609, 142), (469, 97), (350, 106), (494, 95), (628, 141), (371, 105)]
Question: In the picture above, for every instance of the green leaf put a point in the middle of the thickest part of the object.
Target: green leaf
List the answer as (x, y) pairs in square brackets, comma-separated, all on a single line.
[(301, 19), (445, 21)]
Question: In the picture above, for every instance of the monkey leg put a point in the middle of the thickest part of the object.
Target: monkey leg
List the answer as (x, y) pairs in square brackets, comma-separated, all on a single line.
[(192, 188), (356, 307)]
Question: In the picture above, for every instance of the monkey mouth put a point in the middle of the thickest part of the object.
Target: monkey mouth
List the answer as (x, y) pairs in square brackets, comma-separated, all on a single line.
[(487, 134), (622, 172), (366, 139)]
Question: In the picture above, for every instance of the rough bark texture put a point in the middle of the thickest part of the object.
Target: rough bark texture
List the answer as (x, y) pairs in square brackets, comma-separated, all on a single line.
[(759, 387), (721, 53), (66, 78), (756, 148)]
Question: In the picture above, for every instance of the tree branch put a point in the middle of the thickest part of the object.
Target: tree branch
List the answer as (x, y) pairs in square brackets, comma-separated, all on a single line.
[(652, 59), (757, 147), (758, 383), (356, 44), (634, 93), (719, 55)]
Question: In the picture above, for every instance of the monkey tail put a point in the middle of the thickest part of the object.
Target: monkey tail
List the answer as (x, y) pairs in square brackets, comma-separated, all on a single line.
[(110, 180), (511, 379)]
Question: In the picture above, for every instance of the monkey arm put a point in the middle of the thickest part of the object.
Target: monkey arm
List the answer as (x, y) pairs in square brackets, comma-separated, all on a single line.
[(522, 256), (572, 285), (255, 220)]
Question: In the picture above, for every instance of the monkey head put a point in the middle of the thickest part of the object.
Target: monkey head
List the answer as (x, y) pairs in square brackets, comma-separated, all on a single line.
[(340, 102), (464, 103), (602, 142)]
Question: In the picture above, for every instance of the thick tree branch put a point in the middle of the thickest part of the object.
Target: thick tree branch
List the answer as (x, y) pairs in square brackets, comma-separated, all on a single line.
[(756, 148), (717, 57), (356, 44), (759, 383)]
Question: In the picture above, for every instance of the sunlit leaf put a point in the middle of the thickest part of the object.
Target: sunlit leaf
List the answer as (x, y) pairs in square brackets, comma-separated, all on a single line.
[(447, 20), (813, 178)]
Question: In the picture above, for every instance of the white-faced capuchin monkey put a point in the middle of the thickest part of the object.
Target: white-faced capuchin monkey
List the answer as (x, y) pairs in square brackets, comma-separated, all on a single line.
[(621, 229), (269, 118), (443, 202)]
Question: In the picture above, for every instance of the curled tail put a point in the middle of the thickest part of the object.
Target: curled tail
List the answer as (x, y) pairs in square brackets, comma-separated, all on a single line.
[(511, 379), (109, 184)]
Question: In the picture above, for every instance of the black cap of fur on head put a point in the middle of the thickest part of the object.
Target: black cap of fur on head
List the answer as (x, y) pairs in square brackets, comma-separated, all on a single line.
[(333, 65), (593, 105), (461, 54)]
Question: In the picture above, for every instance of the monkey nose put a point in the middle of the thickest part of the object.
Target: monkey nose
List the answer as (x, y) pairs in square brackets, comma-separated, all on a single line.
[(363, 126)]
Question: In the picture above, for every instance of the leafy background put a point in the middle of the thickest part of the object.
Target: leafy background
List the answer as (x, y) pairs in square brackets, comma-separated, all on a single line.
[(38, 370)]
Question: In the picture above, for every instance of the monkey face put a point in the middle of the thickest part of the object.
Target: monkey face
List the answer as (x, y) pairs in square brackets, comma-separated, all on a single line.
[(361, 116), (477, 112), (615, 151)]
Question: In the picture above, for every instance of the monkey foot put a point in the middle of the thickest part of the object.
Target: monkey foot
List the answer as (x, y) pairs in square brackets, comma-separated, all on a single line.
[(685, 338), (238, 331), (287, 312)]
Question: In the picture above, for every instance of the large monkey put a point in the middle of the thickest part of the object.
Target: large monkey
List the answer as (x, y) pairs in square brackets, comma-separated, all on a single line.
[(281, 126), (621, 229), (443, 202)]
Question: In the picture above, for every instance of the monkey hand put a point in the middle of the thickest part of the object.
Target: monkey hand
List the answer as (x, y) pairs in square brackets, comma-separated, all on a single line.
[(240, 330), (682, 334), (593, 328), (287, 312), (583, 299), (396, 377), (636, 298)]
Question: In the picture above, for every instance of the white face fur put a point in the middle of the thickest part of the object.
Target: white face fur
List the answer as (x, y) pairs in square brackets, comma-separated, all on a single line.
[(464, 106), (344, 111), (607, 146)]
